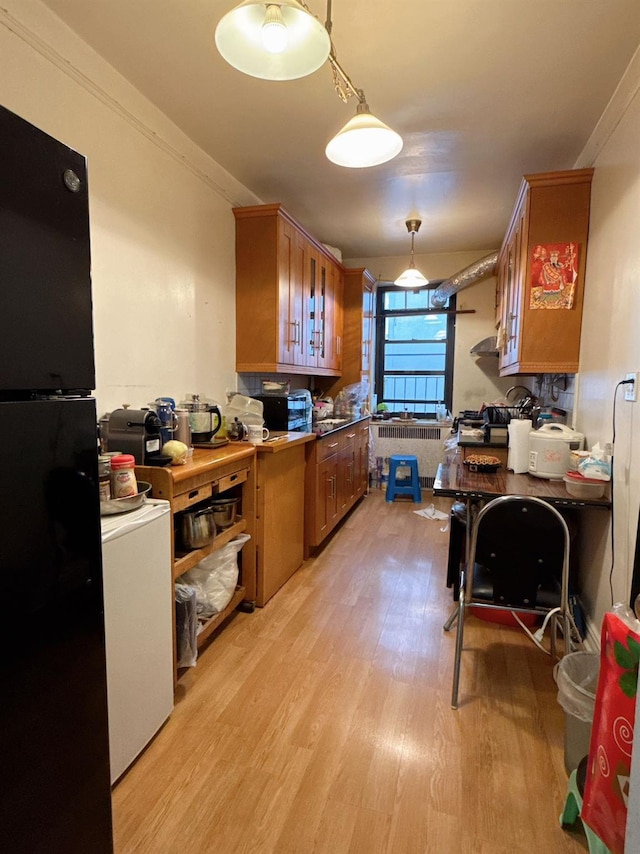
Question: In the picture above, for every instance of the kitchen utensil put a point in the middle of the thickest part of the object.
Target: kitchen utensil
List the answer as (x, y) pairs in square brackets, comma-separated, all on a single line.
[(256, 435), (236, 430), (167, 417), (130, 502), (204, 418), (197, 528), (183, 427), (550, 448), (137, 432), (224, 511)]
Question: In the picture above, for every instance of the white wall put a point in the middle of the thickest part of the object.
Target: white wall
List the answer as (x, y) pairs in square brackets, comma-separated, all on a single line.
[(475, 380), (162, 230), (610, 345)]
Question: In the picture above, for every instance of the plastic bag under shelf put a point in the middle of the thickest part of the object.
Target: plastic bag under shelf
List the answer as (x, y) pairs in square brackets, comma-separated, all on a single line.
[(215, 578)]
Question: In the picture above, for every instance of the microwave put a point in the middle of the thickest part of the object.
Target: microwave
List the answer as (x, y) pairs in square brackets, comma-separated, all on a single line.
[(287, 412)]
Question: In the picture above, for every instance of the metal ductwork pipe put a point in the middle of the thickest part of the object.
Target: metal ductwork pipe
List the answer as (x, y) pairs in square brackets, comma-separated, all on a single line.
[(476, 272)]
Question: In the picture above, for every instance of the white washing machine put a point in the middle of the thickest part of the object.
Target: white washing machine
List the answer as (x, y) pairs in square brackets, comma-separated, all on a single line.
[(138, 606)]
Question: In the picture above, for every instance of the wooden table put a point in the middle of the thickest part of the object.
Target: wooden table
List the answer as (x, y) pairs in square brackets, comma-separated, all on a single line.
[(456, 481)]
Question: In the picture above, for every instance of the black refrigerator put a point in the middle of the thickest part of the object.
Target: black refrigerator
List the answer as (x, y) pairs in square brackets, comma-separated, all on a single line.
[(54, 752)]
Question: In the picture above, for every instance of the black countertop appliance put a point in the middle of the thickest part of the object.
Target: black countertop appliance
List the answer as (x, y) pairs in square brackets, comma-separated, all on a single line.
[(54, 774)]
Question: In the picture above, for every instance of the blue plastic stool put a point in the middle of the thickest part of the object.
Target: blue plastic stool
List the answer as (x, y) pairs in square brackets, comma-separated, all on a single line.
[(408, 486)]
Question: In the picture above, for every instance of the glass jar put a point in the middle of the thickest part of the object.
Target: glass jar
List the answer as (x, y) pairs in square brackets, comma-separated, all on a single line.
[(104, 477), (123, 476)]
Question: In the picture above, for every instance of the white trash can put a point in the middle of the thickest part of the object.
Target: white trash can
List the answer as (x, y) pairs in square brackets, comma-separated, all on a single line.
[(577, 678)]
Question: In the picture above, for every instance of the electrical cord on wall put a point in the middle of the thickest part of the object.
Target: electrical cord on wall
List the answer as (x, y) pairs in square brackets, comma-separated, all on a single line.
[(613, 447)]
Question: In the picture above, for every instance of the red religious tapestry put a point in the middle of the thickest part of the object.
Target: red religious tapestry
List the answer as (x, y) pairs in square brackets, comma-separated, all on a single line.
[(554, 271)]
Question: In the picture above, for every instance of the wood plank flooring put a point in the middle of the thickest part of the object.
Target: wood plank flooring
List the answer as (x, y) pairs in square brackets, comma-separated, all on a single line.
[(321, 722)]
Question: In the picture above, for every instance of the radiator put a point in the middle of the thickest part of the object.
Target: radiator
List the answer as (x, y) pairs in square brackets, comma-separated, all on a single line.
[(425, 442)]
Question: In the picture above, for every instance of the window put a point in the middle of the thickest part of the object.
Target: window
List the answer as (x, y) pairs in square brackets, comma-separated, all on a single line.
[(414, 350)]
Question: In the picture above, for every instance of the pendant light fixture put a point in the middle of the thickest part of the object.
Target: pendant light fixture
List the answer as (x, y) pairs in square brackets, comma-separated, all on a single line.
[(284, 41), (412, 278), (364, 140), (273, 41)]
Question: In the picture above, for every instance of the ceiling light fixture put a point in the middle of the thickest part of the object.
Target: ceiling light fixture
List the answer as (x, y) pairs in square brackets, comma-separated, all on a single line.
[(412, 278), (284, 41), (364, 140), (273, 41)]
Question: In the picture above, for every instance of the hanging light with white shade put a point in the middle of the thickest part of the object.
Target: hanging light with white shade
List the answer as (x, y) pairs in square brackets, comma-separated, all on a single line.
[(284, 41), (273, 41), (412, 278)]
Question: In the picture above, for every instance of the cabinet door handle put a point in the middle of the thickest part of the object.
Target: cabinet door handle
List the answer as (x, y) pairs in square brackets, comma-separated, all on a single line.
[(338, 344)]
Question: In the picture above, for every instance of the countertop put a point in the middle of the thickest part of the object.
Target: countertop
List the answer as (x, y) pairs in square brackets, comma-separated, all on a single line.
[(204, 460), (338, 424), (278, 441), (455, 480)]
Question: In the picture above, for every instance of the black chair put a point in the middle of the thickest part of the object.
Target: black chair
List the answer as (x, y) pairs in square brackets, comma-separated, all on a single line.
[(518, 561)]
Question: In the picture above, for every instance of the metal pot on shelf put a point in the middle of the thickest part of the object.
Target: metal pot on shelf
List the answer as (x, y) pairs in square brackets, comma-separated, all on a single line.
[(198, 528), (205, 419)]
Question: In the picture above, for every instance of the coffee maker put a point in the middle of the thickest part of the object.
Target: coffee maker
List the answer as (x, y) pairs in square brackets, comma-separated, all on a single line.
[(137, 432)]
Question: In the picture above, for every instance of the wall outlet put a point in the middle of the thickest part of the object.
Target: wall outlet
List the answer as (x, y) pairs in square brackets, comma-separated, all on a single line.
[(630, 390)]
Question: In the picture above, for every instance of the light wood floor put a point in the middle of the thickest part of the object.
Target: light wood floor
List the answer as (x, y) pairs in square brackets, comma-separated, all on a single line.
[(321, 723)]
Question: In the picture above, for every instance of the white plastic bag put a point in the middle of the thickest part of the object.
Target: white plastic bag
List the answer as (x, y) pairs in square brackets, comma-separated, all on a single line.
[(215, 578), (597, 465), (186, 625)]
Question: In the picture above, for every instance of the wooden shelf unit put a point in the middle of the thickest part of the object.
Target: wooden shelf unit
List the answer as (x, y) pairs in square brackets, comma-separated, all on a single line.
[(207, 474)]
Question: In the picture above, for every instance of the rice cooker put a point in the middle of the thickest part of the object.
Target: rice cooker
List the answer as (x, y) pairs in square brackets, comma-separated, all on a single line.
[(550, 450)]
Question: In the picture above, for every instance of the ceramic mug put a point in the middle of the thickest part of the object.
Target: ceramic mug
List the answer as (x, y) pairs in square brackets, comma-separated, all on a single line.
[(256, 434)]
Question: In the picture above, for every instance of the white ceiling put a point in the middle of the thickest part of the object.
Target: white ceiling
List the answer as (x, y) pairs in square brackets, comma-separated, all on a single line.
[(482, 91)]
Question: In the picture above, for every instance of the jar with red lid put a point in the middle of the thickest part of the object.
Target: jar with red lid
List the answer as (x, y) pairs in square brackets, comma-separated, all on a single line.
[(123, 476)]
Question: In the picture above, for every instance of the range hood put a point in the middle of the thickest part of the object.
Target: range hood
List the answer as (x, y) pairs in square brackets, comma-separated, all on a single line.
[(486, 347)]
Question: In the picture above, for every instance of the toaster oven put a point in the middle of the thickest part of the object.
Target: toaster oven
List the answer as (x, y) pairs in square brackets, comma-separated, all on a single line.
[(287, 412)]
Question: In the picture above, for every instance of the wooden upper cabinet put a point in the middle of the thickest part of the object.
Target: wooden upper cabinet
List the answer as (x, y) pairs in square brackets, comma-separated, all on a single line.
[(355, 348), (285, 292), (536, 333)]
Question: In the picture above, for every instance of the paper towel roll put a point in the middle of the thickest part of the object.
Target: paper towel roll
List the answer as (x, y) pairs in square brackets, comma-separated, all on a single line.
[(518, 456)]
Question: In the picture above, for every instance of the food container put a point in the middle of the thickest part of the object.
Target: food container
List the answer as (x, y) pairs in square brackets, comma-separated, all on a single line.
[(483, 463), (583, 487), (224, 511), (197, 528)]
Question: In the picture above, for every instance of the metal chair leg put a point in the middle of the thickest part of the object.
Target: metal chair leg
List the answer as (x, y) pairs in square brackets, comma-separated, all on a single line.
[(458, 653), (452, 618)]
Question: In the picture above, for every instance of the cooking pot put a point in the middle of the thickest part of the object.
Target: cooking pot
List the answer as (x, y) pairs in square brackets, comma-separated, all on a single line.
[(224, 511), (204, 419), (198, 528), (550, 449)]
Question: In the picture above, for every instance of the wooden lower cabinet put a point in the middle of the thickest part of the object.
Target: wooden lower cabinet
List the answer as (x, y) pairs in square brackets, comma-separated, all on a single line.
[(334, 479), (228, 471), (279, 514)]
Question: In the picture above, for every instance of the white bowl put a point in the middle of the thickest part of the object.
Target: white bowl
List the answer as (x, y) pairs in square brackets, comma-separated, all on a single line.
[(584, 490)]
